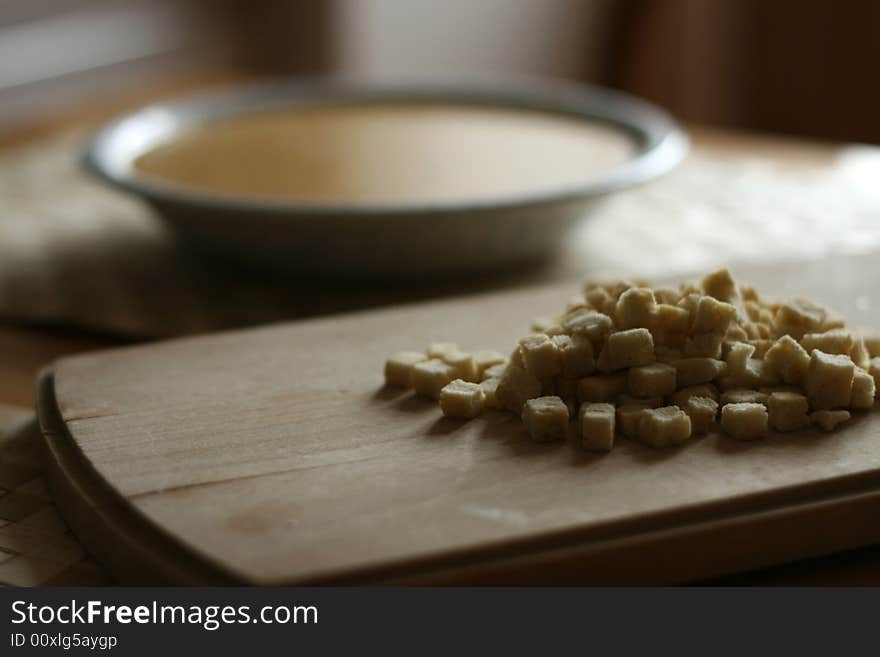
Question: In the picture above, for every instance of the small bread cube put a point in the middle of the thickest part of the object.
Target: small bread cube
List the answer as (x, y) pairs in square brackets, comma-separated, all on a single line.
[(635, 308), (462, 364), (578, 358), (661, 427), (694, 371), (707, 345), (753, 310), (601, 388), (719, 285), (541, 355), (681, 397), (788, 360), (666, 354), (546, 418), (788, 411), (596, 422), (874, 370), (737, 358), (484, 359), (712, 316), (430, 376), (828, 420), (836, 341), (489, 388), (671, 318), (440, 349), (859, 353), (399, 368), (516, 358), (494, 371), (628, 416), (748, 293), (761, 347), (656, 379), (647, 402), (735, 333), (462, 399), (598, 298), (595, 325), (744, 421), (515, 387), (702, 412), (743, 396), (829, 380), (863, 390), (799, 317), (667, 295), (872, 344), (624, 349)]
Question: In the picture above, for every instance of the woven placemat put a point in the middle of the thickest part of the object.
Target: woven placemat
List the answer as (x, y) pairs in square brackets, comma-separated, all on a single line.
[(36, 547), (77, 253)]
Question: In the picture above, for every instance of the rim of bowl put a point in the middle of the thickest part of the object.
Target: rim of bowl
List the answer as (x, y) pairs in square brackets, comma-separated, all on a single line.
[(660, 142)]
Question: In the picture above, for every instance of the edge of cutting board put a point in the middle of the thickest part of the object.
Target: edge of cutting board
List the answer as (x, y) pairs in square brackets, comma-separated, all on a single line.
[(801, 522)]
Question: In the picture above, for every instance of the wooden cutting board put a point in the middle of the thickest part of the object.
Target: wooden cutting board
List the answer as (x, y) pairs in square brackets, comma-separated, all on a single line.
[(275, 455)]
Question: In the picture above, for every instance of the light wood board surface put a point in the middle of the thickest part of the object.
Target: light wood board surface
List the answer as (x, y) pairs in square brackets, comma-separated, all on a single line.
[(275, 455)]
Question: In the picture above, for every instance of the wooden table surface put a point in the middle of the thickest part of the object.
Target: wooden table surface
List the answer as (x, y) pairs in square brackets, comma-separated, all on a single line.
[(24, 350)]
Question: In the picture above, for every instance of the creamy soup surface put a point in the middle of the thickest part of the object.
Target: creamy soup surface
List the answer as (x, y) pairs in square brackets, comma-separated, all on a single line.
[(388, 154)]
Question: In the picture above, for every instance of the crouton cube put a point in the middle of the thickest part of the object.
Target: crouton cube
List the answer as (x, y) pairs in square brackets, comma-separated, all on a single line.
[(546, 418), (738, 355), (702, 412), (656, 379), (799, 317), (743, 396), (596, 422), (629, 414), (828, 420), (761, 347), (735, 333), (661, 427), (463, 365), (874, 370), (515, 387), (748, 293), (484, 359), (704, 344), (836, 341), (667, 295), (666, 354), (635, 308), (440, 349), (624, 349), (694, 371), (859, 353), (430, 376), (712, 316), (744, 421), (494, 371), (671, 318), (462, 399), (595, 325), (541, 355), (489, 388), (788, 411), (872, 344), (863, 390), (829, 380), (399, 368), (578, 358), (599, 299), (601, 388), (719, 285), (681, 397), (788, 360)]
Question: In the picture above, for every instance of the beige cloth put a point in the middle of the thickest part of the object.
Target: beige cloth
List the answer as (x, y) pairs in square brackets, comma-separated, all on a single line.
[(75, 252)]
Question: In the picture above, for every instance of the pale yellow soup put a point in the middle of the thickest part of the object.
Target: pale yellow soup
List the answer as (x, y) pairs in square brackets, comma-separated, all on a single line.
[(389, 154)]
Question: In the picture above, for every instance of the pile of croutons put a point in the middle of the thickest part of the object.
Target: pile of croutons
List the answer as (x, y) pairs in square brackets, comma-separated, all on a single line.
[(658, 364)]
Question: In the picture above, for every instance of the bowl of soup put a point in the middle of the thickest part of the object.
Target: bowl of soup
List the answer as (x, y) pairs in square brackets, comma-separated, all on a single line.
[(351, 179)]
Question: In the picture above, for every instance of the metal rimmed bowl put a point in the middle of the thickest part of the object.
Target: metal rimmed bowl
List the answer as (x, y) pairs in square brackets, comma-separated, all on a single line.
[(351, 240)]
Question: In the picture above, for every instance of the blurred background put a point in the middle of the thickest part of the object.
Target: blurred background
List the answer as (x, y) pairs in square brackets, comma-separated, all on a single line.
[(802, 68)]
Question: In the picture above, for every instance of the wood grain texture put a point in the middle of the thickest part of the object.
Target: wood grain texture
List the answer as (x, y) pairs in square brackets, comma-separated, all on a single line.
[(275, 455)]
